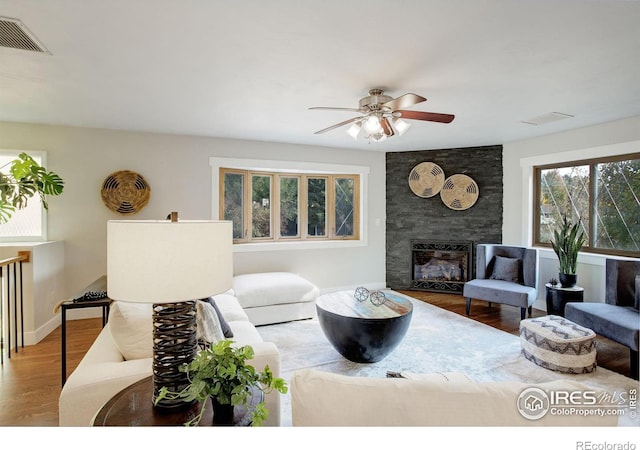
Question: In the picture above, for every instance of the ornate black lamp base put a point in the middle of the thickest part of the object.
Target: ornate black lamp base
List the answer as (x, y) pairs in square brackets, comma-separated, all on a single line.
[(174, 344)]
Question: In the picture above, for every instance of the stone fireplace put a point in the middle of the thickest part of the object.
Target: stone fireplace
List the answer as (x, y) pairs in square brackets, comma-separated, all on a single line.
[(441, 266)]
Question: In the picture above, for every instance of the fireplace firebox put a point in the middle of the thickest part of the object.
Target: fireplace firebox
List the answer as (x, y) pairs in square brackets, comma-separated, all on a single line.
[(441, 266)]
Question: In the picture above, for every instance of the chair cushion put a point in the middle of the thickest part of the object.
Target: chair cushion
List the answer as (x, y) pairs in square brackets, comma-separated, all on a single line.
[(500, 291), (507, 269), (618, 323), (131, 329), (624, 272)]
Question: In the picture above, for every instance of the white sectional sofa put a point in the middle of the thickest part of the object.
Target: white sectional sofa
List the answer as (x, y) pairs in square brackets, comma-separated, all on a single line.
[(122, 355)]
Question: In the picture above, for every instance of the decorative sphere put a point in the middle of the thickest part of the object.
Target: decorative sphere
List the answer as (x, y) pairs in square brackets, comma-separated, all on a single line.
[(377, 298), (361, 294)]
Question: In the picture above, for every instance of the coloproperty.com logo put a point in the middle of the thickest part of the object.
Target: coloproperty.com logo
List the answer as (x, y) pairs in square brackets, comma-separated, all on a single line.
[(534, 403)]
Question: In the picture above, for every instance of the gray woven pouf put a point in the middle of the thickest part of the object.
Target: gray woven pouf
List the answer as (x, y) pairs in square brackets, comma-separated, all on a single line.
[(556, 343)]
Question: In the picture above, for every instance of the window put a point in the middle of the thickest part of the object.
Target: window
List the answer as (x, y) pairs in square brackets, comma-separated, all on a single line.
[(27, 224), (602, 194), (288, 206)]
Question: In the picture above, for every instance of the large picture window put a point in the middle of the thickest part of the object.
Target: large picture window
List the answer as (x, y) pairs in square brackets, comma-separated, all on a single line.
[(603, 195), (285, 206)]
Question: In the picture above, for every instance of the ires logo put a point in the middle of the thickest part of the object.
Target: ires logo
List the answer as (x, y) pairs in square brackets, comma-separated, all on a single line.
[(534, 403)]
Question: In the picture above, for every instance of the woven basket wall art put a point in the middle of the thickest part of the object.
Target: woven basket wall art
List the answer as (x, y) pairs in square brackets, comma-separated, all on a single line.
[(459, 192), (125, 192), (426, 179)]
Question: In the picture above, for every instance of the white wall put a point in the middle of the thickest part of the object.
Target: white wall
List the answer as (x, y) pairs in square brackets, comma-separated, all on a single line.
[(612, 138), (178, 172)]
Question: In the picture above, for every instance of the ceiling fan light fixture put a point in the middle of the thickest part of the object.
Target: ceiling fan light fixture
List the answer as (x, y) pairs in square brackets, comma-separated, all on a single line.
[(354, 130), (401, 126), (378, 137), (372, 125)]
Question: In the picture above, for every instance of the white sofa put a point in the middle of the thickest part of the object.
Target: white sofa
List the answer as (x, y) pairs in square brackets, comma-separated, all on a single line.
[(275, 297), (440, 399), (104, 370)]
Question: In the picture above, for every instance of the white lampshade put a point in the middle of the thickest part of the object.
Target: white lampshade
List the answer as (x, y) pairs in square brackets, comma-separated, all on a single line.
[(167, 262)]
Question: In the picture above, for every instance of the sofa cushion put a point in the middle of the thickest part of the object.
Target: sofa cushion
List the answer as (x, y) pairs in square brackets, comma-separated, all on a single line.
[(131, 329), (244, 333), (273, 288), (209, 329), (230, 308), (226, 329)]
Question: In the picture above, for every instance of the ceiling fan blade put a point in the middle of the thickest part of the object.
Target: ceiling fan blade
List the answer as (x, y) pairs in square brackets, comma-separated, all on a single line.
[(338, 125), (431, 117), (386, 127), (336, 109), (404, 101)]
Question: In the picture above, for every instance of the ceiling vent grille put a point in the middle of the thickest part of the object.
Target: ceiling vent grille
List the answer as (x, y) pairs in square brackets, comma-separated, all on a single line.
[(13, 34), (547, 118)]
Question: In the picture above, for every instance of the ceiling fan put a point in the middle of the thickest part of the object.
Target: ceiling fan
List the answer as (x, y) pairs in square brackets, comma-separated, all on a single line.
[(381, 115)]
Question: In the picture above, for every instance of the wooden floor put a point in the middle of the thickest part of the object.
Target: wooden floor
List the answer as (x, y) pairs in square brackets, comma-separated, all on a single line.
[(30, 380)]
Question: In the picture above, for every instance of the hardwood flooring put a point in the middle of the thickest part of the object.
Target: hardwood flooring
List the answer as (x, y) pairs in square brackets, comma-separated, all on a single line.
[(30, 380)]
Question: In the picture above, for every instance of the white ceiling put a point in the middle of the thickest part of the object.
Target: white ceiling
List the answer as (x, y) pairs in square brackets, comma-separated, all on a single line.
[(251, 69)]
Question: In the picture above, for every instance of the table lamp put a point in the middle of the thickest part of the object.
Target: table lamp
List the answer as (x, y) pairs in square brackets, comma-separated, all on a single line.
[(170, 264)]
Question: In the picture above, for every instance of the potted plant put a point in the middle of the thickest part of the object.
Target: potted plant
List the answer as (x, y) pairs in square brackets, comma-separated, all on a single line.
[(26, 178), (567, 241), (221, 372)]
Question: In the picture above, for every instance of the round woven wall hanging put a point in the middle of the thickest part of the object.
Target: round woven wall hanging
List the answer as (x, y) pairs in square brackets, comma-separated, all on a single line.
[(426, 179), (125, 192), (459, 192)]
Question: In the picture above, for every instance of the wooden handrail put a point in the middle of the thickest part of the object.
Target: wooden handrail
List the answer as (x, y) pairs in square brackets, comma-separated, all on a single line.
[(22, 257)]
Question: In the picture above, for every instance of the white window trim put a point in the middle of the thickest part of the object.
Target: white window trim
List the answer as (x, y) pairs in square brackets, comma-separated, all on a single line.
[(217, 163), (43, 216)]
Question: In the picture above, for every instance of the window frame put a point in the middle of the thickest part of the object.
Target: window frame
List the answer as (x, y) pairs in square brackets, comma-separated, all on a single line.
[(275, 178), (42, 237), (289, 168), (591, 163)]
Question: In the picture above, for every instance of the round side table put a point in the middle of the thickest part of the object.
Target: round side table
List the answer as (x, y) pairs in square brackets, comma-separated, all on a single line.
[(133, 407), (558, 297)]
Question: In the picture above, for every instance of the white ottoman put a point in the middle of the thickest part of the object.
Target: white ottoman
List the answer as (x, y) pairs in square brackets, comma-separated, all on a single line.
[(275, 297), (558, 344)]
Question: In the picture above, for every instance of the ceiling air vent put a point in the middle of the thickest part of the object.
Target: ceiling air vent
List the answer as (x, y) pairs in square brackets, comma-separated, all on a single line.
[(547, 118), (13, 34)]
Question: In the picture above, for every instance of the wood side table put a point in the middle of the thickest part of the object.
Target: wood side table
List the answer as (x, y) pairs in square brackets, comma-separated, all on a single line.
[(558, 297), (133, 406)]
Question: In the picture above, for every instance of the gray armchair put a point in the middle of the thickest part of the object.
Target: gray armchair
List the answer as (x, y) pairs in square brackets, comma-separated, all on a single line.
[(504, 274), (618, 318)]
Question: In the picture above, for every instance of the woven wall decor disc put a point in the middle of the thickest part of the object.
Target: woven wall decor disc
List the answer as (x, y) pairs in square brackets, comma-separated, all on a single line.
[(426, 179), (459, 192), (125, 192)]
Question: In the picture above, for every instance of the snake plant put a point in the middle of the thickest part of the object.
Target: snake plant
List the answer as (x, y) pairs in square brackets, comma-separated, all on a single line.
[(567, 241)]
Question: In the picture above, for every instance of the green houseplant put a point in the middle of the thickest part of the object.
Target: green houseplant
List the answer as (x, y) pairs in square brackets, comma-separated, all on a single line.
[(26, 178), (567, 241), (221, 372)]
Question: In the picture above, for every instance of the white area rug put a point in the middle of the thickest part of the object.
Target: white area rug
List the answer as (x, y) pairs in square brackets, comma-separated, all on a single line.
[(437, 341)]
